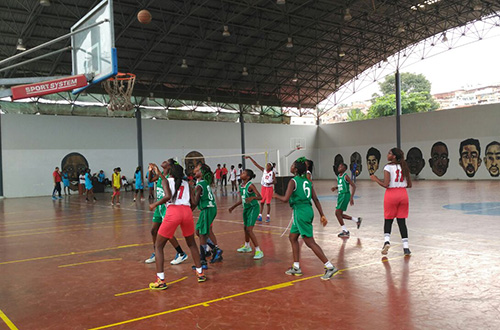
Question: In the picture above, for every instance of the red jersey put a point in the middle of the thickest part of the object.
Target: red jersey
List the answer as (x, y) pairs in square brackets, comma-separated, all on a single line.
[(57, 176), (218, 173), (224, 171)]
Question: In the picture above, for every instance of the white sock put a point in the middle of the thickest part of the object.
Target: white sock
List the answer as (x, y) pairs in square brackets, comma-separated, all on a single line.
[(247, 244), (405, 243), (344, 228), (257, 249), (296, 265), (328, 264), (161, 276), (355, 219), (260, 215), (387, 237), (199, 270), (268, 215)]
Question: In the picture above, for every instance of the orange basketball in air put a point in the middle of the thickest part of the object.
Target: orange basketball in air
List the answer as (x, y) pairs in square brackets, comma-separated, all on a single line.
[(144, 16)]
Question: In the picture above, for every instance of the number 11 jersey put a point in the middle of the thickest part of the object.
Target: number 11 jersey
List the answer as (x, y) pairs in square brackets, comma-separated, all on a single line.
[(397, 178)]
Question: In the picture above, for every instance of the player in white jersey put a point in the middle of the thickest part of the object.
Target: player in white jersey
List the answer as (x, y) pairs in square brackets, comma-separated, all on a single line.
[(396, 204), (232, 178), (179, 213), (310, 167), (267, 182)]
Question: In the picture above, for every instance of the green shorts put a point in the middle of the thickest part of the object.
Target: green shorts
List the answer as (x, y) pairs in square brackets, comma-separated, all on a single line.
[(250, 215), (302, 221), (343, 201), (159, 213), (207, 217)]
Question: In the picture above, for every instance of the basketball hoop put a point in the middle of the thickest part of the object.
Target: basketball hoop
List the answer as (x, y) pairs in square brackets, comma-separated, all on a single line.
[(119, 89)]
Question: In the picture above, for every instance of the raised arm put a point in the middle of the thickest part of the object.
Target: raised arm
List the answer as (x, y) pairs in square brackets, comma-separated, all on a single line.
[(255, 163), (166, 198)]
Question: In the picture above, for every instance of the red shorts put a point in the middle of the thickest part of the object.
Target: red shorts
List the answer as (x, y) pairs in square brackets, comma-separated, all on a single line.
[(267, 195), (177, 215), (396, 203), (116, 191)]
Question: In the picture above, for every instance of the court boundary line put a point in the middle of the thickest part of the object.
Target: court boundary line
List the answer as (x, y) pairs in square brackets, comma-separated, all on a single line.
[(140, 290), (266, 288), (7, 321)]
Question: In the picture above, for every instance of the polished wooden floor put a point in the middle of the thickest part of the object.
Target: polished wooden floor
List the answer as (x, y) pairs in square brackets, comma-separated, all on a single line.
[(68, 264)]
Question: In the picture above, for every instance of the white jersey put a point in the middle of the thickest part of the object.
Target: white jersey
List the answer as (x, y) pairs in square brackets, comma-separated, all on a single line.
[(82, 179), (397, 178), (267, 178), (232, 175), (238, 174), (183, 196), (309, 172)]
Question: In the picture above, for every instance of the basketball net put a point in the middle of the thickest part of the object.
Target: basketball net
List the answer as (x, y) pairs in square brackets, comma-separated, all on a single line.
[(119, 89)]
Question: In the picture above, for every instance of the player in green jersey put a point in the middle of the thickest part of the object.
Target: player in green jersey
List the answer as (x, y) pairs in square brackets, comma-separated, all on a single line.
[(343, 200), (205, 200), (249, 198), (154, 176), (299, 193)]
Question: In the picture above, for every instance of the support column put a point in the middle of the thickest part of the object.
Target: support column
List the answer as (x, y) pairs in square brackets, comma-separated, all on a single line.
[(242, 126), (398, 109), (1, 159), (139, 137)]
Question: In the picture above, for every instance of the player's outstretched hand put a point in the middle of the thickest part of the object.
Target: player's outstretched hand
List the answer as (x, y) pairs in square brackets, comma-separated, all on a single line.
[(373, 178), (152, 206), (334, 188), (324, 222), (231, 209)]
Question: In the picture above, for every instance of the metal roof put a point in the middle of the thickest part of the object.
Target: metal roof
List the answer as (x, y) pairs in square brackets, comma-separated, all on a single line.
[(302, 75)]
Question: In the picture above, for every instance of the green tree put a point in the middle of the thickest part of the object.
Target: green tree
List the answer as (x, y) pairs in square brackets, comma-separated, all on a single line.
[(415, 96), (410, 83), (355, 114)]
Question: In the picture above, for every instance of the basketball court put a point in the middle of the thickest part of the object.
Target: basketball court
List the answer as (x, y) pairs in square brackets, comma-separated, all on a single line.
[(71, 263)]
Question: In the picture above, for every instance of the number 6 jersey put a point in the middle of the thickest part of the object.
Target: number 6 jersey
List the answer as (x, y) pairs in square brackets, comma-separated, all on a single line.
[(397, 178)]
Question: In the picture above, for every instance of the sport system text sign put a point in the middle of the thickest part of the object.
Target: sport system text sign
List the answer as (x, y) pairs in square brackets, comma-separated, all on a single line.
[(48, 87)]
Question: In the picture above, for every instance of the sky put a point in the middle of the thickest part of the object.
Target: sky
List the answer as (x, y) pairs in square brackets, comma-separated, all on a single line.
[(474, 64)]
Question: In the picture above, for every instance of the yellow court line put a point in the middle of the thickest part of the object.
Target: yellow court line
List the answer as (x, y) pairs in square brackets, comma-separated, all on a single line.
[(89, 262), (147, 289), (73, 253), (7, 321), (207, 303)]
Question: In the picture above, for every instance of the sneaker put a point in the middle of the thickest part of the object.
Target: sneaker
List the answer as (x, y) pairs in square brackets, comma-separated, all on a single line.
[(112, 204), (244, 249), (268, 219), (54, 198), (359, 222), (203, 264), (258, 255), (60, 197), (329, 272), (208, 254), (386, 248), (259, 218), (151, 259), (217, 256), (179, 258), (158, 285), (118, 203), (344, 234), (294, 271), (134, 199), (201, 277), (407, 252)]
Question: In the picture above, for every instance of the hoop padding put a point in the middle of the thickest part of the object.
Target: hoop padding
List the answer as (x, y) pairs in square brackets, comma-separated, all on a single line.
[(119, 89)]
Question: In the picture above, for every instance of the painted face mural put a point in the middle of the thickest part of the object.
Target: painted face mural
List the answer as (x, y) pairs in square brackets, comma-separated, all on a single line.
[(73, 164), (356, 158), (191, 161), (372, 160), (336, 162), (470, 156), (439, 158), (492, 158), (415, 160)]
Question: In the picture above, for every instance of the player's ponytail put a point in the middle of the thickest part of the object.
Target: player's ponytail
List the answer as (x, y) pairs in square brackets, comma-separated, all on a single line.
[(176, 172), (400, 159), (310, 165), (206, 174)]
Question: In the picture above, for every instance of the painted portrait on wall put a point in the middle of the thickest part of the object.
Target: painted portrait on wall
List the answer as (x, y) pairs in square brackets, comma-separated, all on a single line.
[(372, 160), (492, 158), (356, 159), (191, 160), (336, 162), (74, 163), (439, 160), (470, 156), (415, 160)]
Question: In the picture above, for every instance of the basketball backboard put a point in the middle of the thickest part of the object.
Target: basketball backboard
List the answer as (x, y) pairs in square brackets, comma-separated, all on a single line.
[(93, 50), (297, 143)]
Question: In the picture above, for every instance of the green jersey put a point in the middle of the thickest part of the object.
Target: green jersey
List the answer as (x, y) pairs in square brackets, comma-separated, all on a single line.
[(302, 193), (342, 184), (207, 197), (245, 194), (160, 193)]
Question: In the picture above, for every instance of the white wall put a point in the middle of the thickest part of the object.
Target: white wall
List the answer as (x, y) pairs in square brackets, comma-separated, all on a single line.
[(34, 145), (417, 130)]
